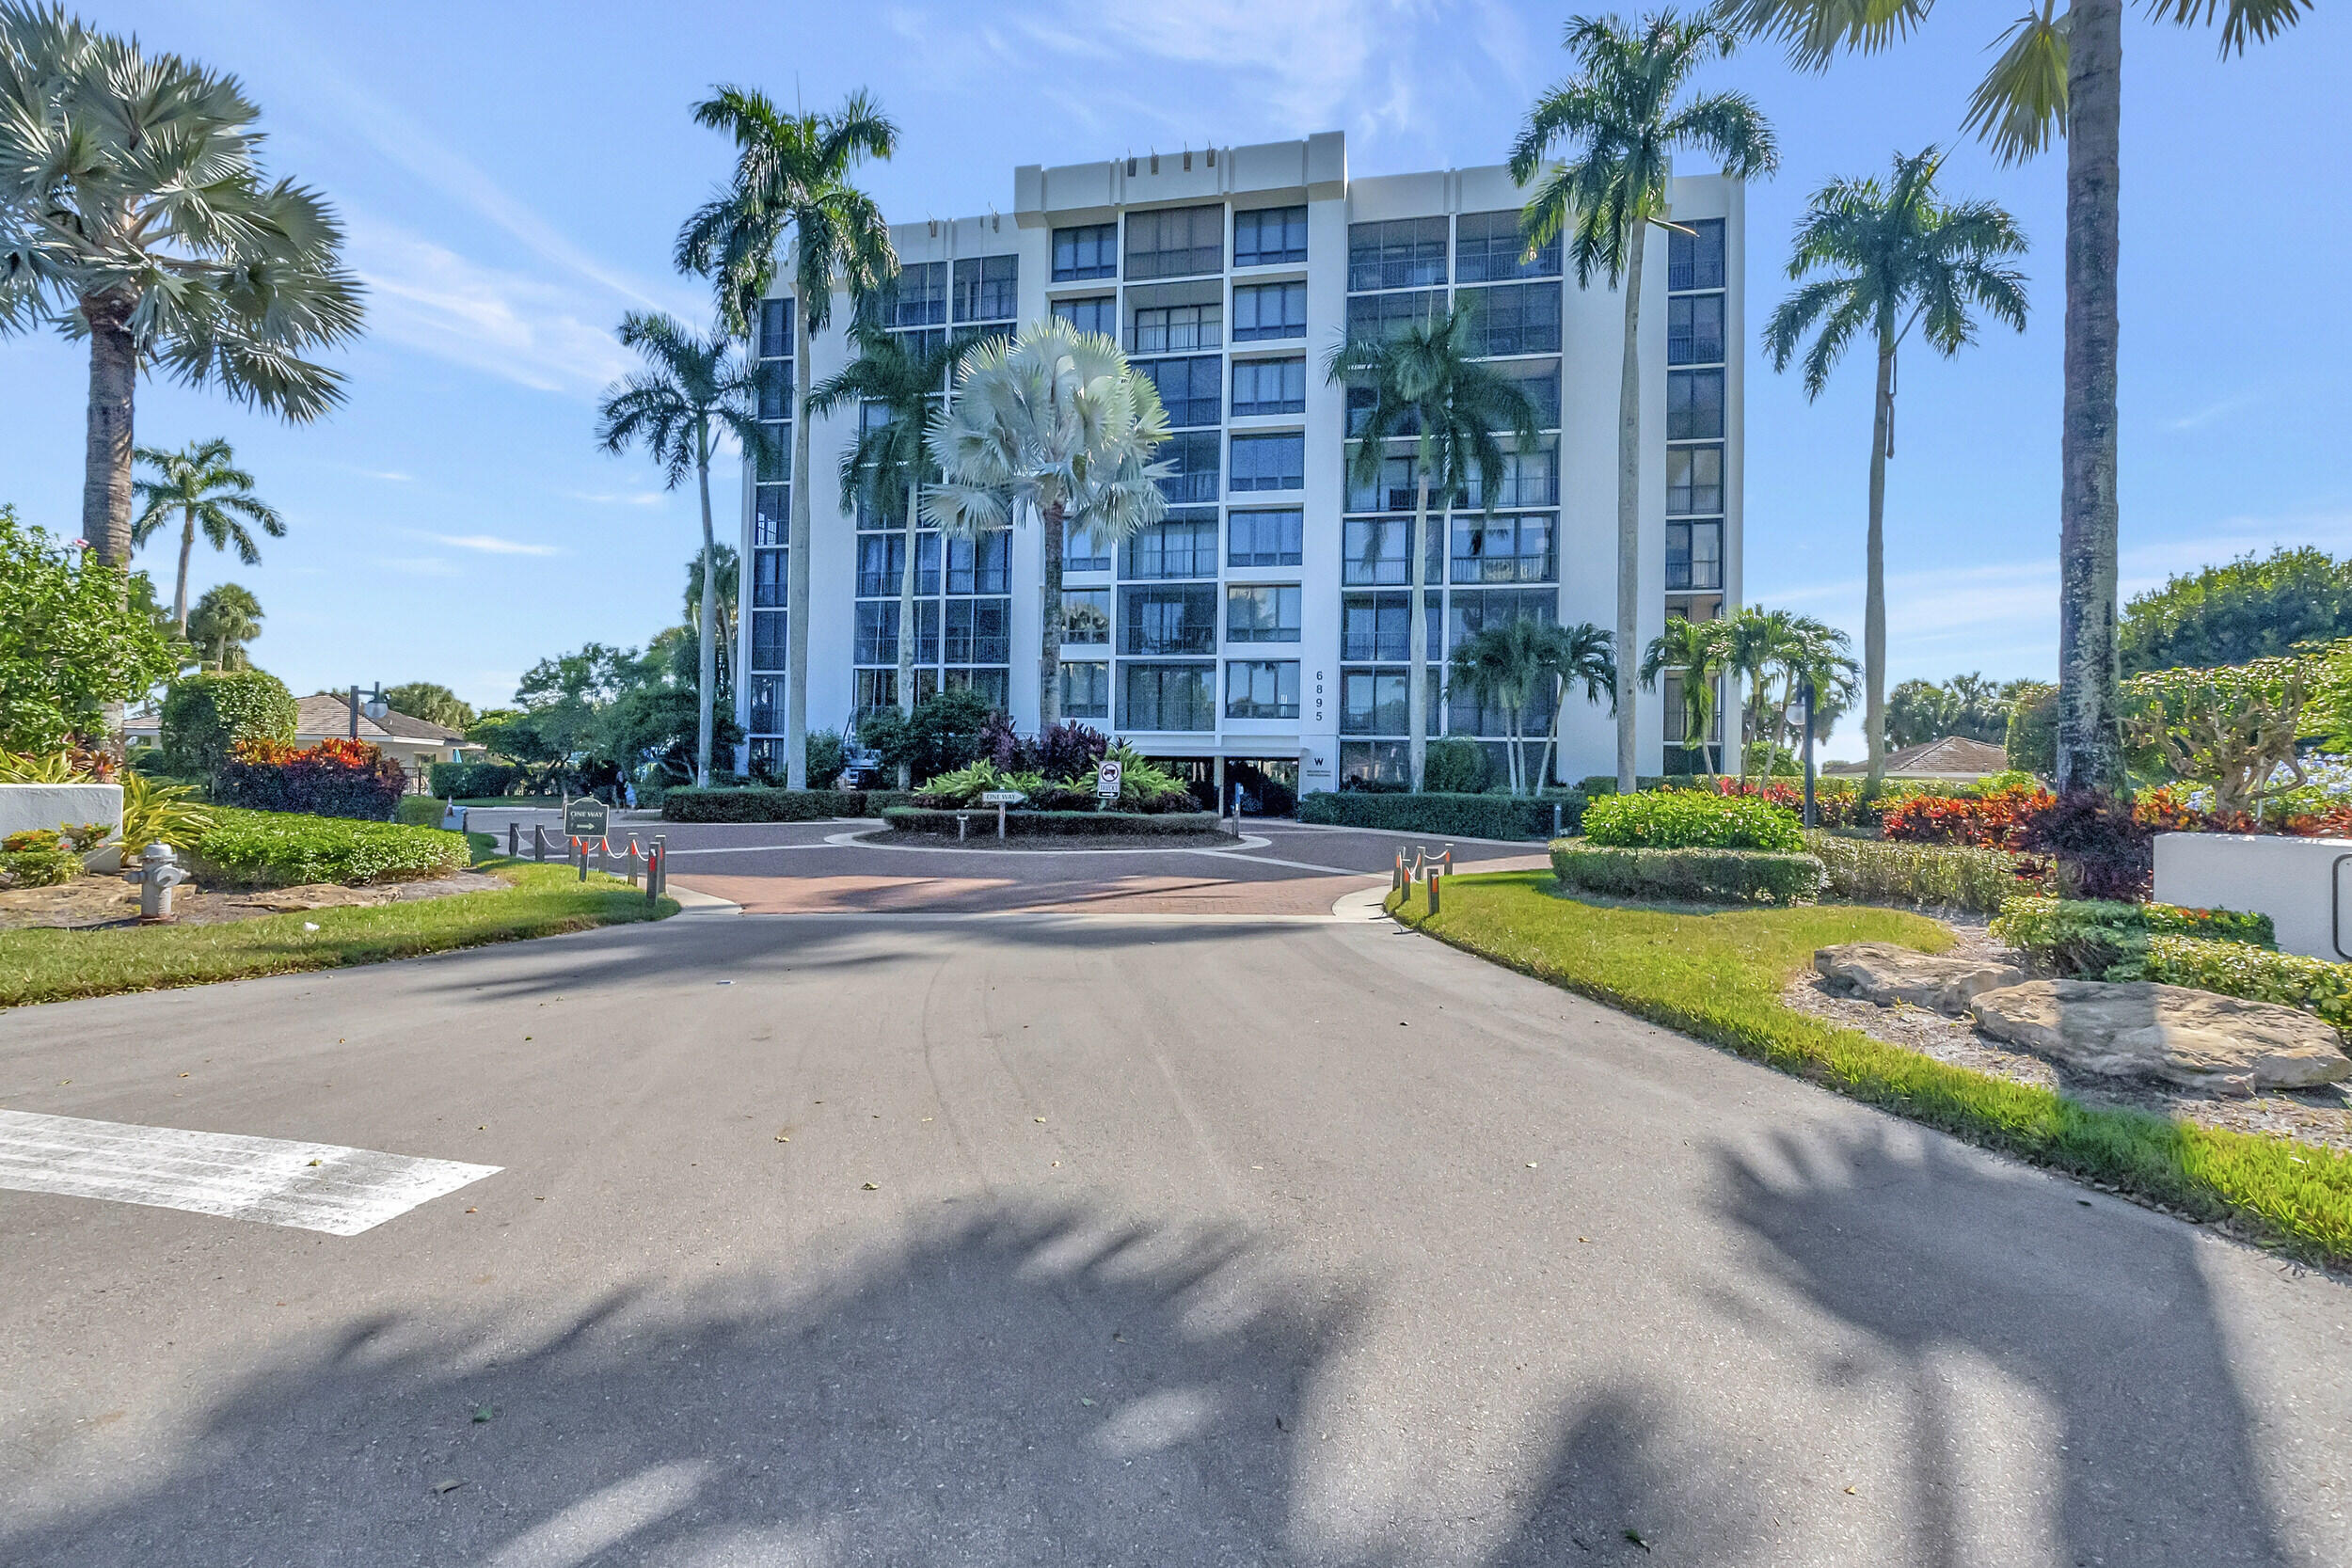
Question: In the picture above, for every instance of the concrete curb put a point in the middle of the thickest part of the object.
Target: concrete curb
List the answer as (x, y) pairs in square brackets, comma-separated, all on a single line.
[(692, 902)]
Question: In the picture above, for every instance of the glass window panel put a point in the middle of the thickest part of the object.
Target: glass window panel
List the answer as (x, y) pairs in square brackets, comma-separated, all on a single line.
[(1269, 463), (1695, 405), (1187, 387), (1501, 549), (1695, 480), (1083, 551), (1085, 689), (1264, 310), (1193, 459), (877, 639), (1405, 253), (1365, 762), (873, 688), (1269, 386), (927, 616), (1372, 702), (1379, 626), (1489, 247), (1266, 689), (769, 507), (1085, 616), (768, 644), (768, 578), (987, 288), (1695, 329), (1182, 546), (774, 377), (1526, 478), (1694, 260), (1166, 696), (927, 550), (881, 559), (1695, 555), (1264, 538), (767, 702), (1178, 328), (1517, 318), (1175, 242), (1270, 236), (1266, 612), (775, 328), (1168, 619), (1090, 250), (917, 296), (774, 463), (990, 685), (1098, 313), (1388, 315)]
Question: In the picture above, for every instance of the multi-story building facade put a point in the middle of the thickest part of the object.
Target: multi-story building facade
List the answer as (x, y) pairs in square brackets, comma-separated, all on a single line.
[(1264, 621)]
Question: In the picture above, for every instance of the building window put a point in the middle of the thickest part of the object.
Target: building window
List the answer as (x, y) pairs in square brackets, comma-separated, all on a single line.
[(1517, 318), (917, 296), (1501, 549), (1695, 329), (1407, 253), (989, 685), (927, 547), (881, 560), (1166, 696), (1542, 387), (767, 758), (1373, 551), (1379, 626), (1262, 688), (1528, 479), (767, 702), (1472, 612), (1694, 480), (1187, 387), (1193, 473), (978, 631), (1176, 243), (872, 689), (775, 330), (1168, 619), (1091, 250), (770, 507), (1085, 689), (1262, 310), (1269, 237), (774, 377), (1372, 702), (1695, 555), (1266, 612), (1083, 550), (1264, 538), (1695, 405), (979, 563), (1488, 249), (1397, 489), (988, 289), (877, 640), (1179, 329), (1097, 313), (927, 631), (775, 464), (1085, 616), (1388, 315), (768, 578), (1269, 463), (1182, 546), (1373, 762), (1269, 387), (1695, 255), (767, 639)]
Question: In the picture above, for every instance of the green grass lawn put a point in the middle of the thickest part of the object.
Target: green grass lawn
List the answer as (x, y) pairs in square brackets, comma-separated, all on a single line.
[(1718, 974), (55, 965)]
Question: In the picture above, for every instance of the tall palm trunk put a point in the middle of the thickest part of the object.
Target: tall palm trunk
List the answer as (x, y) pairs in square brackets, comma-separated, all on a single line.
[(2089, 743), (1049, 644), (1417, 636), (114, 374), (707, 690), (1629, 507), (906, 622), (1874, 568), (1543, 766), (797, 564), (180, 594)]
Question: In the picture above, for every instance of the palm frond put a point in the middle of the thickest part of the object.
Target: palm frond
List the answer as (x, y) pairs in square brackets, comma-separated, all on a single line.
[(2019, 106)]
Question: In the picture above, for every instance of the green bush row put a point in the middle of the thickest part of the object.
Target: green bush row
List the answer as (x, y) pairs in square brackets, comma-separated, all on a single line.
[(2089, 936), (1443, 816), (1053, 824), (1698, 876), (419, 811), (1928, 876), (1685, 819), (269, 848), (760, 803), (474, 781), (2243, 970)]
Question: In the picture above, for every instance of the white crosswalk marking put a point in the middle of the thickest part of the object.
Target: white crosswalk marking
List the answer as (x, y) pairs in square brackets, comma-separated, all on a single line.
[(275, 1180)]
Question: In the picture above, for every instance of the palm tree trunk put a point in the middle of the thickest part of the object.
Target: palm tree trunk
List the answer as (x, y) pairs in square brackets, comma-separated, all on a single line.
[(1874, 570), (1417, 639), (2090, 743), (180, 594), (906, 623), (706, 682), (114, 374), (1551, 736), (797, 564), (1049, 644), (1629, 507)]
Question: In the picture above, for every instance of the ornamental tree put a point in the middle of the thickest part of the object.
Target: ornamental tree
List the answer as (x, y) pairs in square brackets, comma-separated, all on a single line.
[(2232, 727), (73, 641)]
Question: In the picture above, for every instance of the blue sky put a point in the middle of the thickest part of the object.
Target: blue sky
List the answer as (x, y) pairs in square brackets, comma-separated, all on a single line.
[(512, 176)]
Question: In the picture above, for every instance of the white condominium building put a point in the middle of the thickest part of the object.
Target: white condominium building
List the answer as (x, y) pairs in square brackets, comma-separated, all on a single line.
[(1263, 625)]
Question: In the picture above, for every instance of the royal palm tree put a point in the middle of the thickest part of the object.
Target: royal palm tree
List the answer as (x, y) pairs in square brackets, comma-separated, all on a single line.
[(726, 585), (201, 485), (791, 180), (2060, 74), (1623, 122), (1890, 258), (134, 212), (225, 619), (1698, 651), (693, 391), (1053, 425), (898, 386), (1582, 655), (1426, 387)]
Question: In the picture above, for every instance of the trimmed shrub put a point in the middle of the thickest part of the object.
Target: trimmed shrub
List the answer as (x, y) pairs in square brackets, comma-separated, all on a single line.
[(1455, 766), (1687, 819), (1926, 876), (1054, 824), (334, 778), (267, 848), (474, 781), (760, 803), (2240, 969), (1504, 816), (1990, 821), (47, 857), (881, 800), (1599, 785), (1696, 876), (206, 717), (826, 756), (419, 811), (2088, 938)]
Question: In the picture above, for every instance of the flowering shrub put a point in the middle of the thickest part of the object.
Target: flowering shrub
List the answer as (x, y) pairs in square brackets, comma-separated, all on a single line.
[(2090, 937), (1995, 821), (1690, 819), (334, 778), (44, 857)]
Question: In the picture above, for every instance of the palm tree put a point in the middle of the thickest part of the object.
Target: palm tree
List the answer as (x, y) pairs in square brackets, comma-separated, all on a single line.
[(225, 620), (1582, 655), (793, 178), (1499, 668), (1425, 387), (1620, 117), (2060, 74), (726, 584), (1895, 257), (200, 485), (901, 385), (693, 391), (1816, 652), (1699, 650), (134, 211), (1754, 644), (1056, 426)]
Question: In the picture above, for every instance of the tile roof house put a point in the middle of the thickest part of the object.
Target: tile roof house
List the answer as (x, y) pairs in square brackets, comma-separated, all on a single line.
[(1953, 760), (413, 742)]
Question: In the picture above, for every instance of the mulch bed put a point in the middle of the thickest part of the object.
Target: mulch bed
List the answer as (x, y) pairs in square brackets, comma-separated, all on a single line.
[(99, 903), (2322, 1115)]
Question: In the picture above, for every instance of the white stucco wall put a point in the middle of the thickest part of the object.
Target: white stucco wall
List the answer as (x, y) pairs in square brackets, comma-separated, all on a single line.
[(28, 807), (2303, 884)]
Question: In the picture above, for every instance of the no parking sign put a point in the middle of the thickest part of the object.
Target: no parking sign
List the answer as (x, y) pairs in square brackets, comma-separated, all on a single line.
[(1108, 778)]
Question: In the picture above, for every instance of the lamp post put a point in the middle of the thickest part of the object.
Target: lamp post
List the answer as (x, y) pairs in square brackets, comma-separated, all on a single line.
[(1810, 817), (376, 708)]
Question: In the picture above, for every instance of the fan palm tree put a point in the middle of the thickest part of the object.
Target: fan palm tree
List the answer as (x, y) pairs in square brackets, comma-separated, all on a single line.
[(225, 619), (791, 179), (1426, 387), (901, 385), (1053, 425), (1699, 650), (134, 212), (1622, 121), (2060, 73), (693, 391), (201, 485), (1894, 256), (1582, 655)]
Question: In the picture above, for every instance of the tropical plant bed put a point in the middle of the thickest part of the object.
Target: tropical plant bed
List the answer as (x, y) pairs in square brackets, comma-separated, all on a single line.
[(1722, 975), (96, 902), (1052, 844), (1157, 829)]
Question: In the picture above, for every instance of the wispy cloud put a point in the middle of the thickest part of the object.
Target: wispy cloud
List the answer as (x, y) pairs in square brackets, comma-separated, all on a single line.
[(418, 565), (388, 476), (618, 498), (2211, 412), (490, 543)]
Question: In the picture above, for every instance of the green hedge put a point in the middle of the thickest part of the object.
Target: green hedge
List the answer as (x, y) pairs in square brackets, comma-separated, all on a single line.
[(205, 715), (2089, 936), (1599, 785), (1928, 876), (2241, 969), (760, 803), (474, 781), (1440, 815), (1054, 824), (419, 811), (269, 848), (1697, 876), (1685, 819)]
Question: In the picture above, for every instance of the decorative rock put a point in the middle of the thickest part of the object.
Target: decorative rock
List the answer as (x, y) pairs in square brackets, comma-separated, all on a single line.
[(1882, 973), (2191, 1038)]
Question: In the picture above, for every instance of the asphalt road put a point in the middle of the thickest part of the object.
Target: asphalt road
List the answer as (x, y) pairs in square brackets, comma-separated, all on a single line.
[(1106, 1240)]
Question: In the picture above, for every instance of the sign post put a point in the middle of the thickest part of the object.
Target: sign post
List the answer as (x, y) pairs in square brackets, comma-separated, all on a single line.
[(1000, 798), (586, 817), (1108, 780)]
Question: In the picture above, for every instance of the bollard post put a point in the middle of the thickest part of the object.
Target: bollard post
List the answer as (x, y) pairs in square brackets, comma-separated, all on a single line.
[(1448, 859), (661, 848), (963, 822), (538, 842), (632, 859), (1000, 819), (1396, 873), (1433, 881), (579, 857), (514, 842), (1555, 819)]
